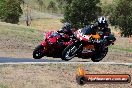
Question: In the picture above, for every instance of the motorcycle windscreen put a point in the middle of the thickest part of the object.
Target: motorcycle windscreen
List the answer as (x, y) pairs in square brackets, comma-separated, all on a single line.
[(55, 34), (88, 31)]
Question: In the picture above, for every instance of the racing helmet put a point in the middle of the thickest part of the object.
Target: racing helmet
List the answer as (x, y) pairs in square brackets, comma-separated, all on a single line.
[(102, 22), (67, 26)]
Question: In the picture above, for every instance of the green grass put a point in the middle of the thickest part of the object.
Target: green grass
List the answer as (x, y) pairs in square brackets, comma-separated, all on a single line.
[(27, 34), (3, 86), (19, 36), (121, 49), (130, 66)]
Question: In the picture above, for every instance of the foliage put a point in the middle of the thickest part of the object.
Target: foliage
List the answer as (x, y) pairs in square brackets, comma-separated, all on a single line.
[(76, 11), (52, 6), (41, 5), (120, 14), (60, 4), (10, 10)]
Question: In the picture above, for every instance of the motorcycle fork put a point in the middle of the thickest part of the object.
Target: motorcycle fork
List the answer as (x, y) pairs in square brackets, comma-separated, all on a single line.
[(80, 48)]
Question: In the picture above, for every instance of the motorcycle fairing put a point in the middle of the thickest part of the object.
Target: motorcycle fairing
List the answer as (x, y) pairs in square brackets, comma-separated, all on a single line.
[(44, 43), (48, 34), (51, 38), (96, 36), (81, 36), (84, 37)]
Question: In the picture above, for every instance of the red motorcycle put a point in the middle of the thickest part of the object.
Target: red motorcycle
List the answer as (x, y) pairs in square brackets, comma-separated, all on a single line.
[(53, 45)]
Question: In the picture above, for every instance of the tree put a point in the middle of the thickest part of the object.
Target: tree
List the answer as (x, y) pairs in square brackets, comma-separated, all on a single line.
[(61, 5), (121, 15), (52, 6), (10, 10), (78, 10), (41, 5), (28, 15)]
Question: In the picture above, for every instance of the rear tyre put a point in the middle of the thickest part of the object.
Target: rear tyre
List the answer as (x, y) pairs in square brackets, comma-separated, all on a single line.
[(38, 52), (99, 56)]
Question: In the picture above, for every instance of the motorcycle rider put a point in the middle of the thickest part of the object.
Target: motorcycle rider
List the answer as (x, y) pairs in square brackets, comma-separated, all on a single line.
[(101, 26), (66, 29)]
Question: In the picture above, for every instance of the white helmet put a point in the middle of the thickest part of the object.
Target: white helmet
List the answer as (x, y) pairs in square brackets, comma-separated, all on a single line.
[(102, 22)]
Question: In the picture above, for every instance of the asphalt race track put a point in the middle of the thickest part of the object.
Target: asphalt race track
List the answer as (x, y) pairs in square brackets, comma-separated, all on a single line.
[(6, 60), (15, 60)]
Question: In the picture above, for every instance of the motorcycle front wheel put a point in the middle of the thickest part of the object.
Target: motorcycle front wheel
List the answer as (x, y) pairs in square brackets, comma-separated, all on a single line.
[(70, 52), (38, 52)]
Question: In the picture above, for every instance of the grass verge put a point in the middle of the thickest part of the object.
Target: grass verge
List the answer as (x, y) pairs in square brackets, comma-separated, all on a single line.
[(3, 86), (121, 49), (18, 37)]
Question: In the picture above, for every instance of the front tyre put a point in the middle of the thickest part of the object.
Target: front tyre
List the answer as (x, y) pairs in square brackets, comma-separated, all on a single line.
[(38, 52), (69, 52), (98, 57)]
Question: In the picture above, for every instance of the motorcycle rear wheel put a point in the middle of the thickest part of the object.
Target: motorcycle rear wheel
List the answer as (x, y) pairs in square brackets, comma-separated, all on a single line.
[(38, 52)]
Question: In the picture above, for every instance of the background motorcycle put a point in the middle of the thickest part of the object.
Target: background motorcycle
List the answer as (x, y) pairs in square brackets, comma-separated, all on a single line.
[(87, 46), (53, 45)]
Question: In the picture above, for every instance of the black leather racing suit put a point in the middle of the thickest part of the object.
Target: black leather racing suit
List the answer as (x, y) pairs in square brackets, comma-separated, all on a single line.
[(106, 32)]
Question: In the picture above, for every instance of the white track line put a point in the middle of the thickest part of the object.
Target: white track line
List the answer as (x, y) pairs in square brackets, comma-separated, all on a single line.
[(67, 63)]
